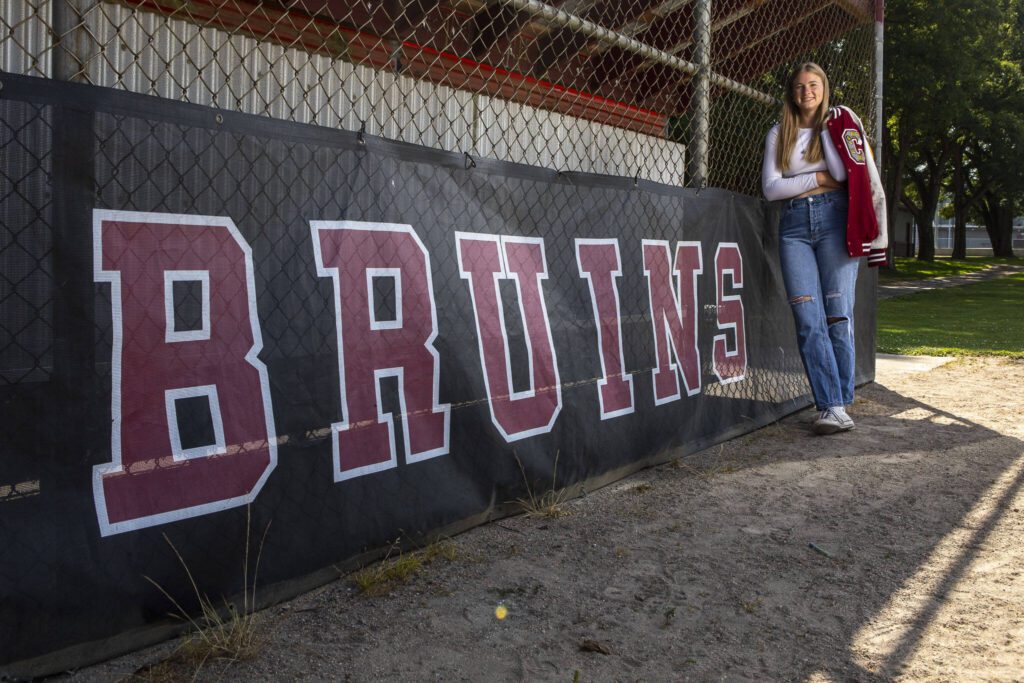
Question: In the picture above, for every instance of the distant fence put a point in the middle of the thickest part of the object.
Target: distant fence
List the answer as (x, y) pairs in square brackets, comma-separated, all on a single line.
[(366, 276), (977, 238)]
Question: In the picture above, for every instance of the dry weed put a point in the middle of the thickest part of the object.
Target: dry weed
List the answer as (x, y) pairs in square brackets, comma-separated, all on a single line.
[(225, 633), (549, 504)]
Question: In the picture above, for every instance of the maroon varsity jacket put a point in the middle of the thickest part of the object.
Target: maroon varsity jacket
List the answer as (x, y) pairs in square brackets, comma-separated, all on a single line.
[(866, 232)]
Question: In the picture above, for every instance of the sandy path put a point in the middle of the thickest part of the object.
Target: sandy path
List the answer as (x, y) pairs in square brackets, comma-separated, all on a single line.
[(702, 570)]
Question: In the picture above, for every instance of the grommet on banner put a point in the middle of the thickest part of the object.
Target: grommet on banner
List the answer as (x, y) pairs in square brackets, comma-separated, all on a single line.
[(359, 134), (700, 187), (218, 118), (470, 161)]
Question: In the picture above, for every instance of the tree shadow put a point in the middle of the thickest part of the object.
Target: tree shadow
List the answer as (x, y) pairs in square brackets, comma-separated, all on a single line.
[(914, 491)]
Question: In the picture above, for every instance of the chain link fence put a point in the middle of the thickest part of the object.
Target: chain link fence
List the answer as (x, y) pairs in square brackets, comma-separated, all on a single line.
[(657, 95), (675, 91)]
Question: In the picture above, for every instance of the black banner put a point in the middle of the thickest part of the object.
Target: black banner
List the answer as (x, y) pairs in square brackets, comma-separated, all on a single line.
[(356, 339)]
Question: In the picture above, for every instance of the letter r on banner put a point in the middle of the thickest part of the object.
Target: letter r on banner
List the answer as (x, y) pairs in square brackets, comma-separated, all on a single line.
[(599, 262), (376, 339), (483, 261), (168, 375)]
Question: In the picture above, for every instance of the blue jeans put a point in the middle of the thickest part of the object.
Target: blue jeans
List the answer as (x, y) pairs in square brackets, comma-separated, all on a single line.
[(820, 279)]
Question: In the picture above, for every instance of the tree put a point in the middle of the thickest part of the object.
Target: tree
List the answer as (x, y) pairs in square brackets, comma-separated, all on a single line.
[(997, 153), (991, 138), (939, 57)]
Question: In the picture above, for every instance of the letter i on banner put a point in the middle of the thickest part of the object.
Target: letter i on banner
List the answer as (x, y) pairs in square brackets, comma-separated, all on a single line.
[(673, 317), (386, 324), (599, 262), (483, 261), (730, 363), (192, 427)]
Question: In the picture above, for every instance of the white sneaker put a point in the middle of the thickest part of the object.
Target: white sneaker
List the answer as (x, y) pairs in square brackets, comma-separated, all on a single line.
[(832, 420)]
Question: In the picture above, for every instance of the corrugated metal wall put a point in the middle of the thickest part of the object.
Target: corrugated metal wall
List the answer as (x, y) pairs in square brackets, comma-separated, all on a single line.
[(27, 46)]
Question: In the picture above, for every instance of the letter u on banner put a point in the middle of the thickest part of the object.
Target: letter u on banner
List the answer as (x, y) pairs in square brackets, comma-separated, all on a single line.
[(483, 261), (192, 428), (377, 339)]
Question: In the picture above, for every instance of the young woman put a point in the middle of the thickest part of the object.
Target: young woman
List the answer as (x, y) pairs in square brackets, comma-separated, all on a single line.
[(803, 167)]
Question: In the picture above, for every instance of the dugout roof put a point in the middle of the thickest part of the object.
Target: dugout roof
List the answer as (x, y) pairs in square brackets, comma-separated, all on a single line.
[(488, 47)]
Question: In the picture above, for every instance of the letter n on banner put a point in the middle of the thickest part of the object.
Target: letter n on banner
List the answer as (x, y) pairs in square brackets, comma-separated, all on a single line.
[(377, 339), (483, 261), (599, 262), (673, 316), (730, 363), (192, 427)]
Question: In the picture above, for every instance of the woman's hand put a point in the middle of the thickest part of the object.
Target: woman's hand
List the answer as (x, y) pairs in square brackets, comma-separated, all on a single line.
[(826, 180)]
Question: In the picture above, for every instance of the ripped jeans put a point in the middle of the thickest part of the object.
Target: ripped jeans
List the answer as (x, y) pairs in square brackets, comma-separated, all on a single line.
[(820, 279)]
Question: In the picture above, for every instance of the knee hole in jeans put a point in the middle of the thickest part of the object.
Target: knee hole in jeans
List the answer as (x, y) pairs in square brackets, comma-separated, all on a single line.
[(832, 320), (802, 299)]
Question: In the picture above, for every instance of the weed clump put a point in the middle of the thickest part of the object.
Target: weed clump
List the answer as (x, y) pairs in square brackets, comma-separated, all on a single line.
[(228, 632), (548, 504), (379, 578)]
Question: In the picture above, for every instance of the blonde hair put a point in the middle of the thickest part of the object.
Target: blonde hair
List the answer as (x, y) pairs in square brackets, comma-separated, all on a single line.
[(789, 121)]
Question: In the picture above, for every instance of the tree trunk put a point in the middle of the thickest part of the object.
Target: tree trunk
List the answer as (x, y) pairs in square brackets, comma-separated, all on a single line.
[(929, 185), (959, 206), (998, 217), (987, 207), (895, 162), (925, 217), (1004, 229)]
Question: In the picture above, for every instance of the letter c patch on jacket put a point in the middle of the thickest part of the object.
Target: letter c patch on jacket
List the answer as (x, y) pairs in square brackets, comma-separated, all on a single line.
[(854, 145)]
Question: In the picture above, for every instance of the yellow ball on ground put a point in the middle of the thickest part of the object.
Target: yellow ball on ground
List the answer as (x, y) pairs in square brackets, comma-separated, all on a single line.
[(501, 611)]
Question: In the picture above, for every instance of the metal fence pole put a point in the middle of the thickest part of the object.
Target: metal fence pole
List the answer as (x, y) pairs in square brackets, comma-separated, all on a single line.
[(879, 45), (71, 41), (700, 124)]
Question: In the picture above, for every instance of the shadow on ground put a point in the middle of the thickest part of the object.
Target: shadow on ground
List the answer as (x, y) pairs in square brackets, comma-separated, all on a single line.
[(776, 556)]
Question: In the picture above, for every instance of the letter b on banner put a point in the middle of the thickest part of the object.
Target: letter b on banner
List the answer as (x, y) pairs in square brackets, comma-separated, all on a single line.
[(192, 428)]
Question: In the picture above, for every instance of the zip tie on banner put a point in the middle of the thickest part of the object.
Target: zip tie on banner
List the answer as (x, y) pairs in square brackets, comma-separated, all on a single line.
[(470, 162), (361, 132)]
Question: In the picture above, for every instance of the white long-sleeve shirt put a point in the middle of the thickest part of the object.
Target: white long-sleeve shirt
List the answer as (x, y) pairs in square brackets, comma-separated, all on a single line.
[(800, 177)]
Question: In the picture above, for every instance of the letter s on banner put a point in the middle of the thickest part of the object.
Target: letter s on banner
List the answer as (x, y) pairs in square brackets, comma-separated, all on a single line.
[(352, 254), (730, 364), (154, 478)]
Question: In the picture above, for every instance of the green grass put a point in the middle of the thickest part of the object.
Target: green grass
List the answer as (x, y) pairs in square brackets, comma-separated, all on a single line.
[(942, 266), (982, 319), (379, 578)]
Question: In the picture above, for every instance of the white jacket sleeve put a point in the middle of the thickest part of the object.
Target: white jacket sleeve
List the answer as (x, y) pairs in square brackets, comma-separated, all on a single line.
[(773, 184), (832, 159)]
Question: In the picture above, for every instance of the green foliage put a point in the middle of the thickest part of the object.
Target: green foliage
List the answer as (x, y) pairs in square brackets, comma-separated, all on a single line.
[(380, 578), (973, 320), (954, 97)]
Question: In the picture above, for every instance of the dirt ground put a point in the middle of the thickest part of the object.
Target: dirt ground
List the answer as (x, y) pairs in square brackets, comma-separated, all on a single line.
[(892, 552)]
